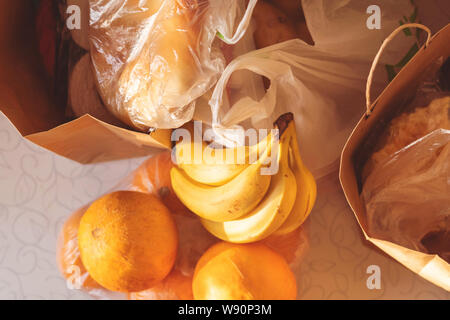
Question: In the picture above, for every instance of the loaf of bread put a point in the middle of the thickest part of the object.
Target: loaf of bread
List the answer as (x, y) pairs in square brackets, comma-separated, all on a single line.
[(146, 59), (409, 127), (83, 96)]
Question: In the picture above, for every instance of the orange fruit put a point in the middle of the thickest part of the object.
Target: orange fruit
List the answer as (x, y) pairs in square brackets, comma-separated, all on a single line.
[(128, 241), (242, 272), (176, 286), (153, 176), (68, 255)]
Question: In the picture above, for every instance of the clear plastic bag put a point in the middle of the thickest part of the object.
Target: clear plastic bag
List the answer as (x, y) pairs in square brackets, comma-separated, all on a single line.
[(193, 240), (407, 196), (152, 59), (322, 85)]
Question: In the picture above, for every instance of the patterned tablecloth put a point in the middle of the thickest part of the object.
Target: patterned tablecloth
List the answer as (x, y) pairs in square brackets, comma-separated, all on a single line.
[(38, 190)]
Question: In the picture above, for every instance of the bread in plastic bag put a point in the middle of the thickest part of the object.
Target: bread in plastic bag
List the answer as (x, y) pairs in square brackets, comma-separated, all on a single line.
[(153, 177), (152, 59), (83, 97), (322, 85), (407, 196), (411, 126)]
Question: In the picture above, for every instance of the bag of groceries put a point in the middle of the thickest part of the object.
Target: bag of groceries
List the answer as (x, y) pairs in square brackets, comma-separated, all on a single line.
[(322, 85), (142, 241), (193, 230), (395, 166)]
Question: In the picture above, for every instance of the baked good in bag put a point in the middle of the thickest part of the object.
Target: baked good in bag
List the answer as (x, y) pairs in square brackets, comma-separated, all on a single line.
[(407, 196), (409, 127), (83, 96), (406, 187), (146, 59)]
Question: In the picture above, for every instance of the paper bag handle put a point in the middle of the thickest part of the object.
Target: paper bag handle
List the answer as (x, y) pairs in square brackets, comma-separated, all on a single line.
[(377, 57)]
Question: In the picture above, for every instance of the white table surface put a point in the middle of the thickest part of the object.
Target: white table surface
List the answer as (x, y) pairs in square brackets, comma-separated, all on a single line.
[(38, 190)]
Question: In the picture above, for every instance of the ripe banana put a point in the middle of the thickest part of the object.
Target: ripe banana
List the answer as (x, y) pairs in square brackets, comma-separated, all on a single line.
[(306, 186), (229, 201), (271, 213), (215, 167)]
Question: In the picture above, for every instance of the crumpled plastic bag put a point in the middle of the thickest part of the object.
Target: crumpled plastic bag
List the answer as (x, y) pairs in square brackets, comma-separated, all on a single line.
[(153, 177), (152, 59), (322, 85), (407, 196)]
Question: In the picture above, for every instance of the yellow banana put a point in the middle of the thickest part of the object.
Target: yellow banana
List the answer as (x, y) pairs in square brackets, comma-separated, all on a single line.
[(213, 175), (306, 187), (215, 167), (229, 201), (271, 213)]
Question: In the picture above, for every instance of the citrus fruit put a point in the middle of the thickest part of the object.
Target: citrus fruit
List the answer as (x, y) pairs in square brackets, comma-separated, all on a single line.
[(128, 241), (243, 272)]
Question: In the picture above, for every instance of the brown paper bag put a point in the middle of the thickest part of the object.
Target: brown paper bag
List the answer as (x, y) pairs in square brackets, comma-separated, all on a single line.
[(355, 153), (26, 100)]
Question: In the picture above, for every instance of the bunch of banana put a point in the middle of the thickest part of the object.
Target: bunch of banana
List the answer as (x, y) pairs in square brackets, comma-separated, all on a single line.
[(238, 203), (210, 166)]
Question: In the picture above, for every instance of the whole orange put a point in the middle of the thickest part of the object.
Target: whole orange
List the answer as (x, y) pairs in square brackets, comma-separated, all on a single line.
[(243, 272), (128, 241)]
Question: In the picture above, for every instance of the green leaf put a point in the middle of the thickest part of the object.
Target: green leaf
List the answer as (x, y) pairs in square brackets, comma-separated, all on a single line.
[(412, 51), (390, 72), (413, 16), (418, 32), (406, 31), (220, 36)]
